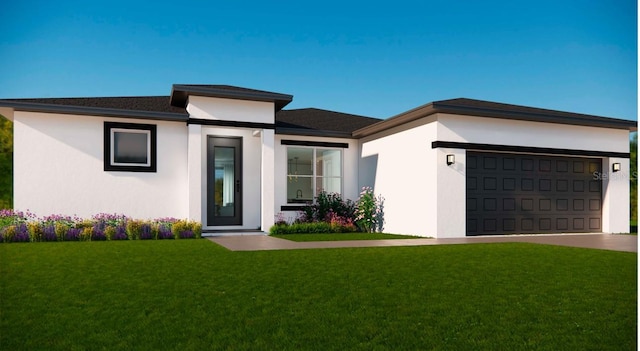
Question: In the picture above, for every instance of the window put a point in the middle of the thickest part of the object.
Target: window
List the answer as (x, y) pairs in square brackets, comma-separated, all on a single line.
[(311, 170), (129, 147)]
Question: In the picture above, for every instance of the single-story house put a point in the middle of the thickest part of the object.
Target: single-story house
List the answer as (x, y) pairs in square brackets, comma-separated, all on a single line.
[(233, 158)]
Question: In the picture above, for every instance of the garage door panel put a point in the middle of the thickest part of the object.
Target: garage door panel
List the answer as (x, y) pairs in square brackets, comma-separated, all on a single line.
[(514, 193)]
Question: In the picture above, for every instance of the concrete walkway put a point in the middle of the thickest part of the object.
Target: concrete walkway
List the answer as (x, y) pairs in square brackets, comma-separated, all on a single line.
[(628, 243)]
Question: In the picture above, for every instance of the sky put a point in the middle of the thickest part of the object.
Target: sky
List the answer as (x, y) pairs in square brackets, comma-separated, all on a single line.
[(368, 58)]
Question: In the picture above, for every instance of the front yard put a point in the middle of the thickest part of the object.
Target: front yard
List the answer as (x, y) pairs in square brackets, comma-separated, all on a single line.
[(195, 295)]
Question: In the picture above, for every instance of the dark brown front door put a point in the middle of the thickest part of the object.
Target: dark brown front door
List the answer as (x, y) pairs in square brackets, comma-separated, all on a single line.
[(517, 193)]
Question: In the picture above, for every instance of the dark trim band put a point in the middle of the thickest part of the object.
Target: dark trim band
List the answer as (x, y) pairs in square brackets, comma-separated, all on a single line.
[(314, 143), (526, 149), (235, 124), (292, 207)]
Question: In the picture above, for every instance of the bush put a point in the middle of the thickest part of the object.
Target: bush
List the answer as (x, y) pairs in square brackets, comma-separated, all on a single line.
[(24, 227), (331, 214), (164, 232), (326, 206), (185, 229), (309, 228)]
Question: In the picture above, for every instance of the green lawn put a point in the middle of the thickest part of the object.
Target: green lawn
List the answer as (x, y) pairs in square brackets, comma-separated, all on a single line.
[(195, 295), (343, 236)]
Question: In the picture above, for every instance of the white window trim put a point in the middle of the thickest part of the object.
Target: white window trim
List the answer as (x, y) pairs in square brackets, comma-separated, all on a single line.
[(126, 130)]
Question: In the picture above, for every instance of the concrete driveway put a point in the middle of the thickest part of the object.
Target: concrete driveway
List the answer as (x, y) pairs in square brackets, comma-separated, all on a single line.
[(628, 243)]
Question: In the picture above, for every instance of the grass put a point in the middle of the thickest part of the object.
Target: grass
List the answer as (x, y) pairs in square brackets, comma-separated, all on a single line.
[(195, 295), (343, 236)]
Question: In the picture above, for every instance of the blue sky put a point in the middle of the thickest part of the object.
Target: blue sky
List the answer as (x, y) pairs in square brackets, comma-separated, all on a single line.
[(371, 58)]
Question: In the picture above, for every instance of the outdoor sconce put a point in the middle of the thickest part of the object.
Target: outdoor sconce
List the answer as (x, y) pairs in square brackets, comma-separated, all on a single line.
[(451, 159), (616, 167)]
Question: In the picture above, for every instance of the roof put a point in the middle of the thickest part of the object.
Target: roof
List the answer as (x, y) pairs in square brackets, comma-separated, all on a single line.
[(307, 121), (148, 107), (480, 108), (313, 121), (180, 93)]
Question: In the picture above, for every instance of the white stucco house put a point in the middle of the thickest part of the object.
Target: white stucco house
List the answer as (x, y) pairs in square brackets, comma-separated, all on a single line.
[(232, 158)]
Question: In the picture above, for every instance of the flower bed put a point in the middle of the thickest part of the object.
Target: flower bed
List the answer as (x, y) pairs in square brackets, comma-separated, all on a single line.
[(331, 214), (18, 226)]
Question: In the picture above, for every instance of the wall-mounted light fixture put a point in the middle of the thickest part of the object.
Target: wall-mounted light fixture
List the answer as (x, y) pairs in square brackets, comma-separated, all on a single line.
[(615, 167), (451, 159)]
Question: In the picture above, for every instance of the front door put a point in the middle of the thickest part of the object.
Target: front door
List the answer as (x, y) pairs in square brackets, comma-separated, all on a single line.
[(224, 181)]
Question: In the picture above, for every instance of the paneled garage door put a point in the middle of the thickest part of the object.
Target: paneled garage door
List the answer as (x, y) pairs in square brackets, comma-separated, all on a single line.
[(517, 193)]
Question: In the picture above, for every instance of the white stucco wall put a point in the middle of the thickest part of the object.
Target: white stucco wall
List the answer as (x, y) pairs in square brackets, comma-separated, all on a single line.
[(401, 166), (615, 191), (350, 189), (257, 157), (426, 197), (58, 168), (484, 130), (251, 172), (615, 196), (230, 110)]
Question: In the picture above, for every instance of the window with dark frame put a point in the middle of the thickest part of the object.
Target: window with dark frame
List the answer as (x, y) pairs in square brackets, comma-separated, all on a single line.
[(129, 147), (311, 170)]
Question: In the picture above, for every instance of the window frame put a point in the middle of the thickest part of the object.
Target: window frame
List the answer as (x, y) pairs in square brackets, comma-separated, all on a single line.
[(110, 128), (314, 176)]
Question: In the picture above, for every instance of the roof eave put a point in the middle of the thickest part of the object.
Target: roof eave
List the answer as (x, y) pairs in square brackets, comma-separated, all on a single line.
[(439, 107), (94, 111), (576, 119), (180, 94), (397, 120), (314, 132)]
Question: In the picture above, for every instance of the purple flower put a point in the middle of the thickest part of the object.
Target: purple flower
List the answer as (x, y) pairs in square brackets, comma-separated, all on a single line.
[(97, 233), (49, 233), (121, 233), (145, 232), (73, 234), (22, 233), (164, 232), (186, 234)]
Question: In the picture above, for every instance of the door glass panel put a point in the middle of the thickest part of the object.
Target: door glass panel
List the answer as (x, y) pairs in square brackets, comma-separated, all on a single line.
[(224, 176)]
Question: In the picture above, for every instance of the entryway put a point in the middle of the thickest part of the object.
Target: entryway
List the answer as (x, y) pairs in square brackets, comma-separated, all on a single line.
[(224, 181)]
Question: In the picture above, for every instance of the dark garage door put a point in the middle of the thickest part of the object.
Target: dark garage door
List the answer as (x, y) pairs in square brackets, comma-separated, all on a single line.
[(517, 193)]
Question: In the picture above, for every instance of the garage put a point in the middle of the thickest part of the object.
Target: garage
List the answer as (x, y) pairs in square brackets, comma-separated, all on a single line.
[(509, 193)]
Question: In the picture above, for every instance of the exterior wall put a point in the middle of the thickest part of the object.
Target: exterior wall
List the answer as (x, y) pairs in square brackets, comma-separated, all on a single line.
[(251, 180), (401, 166), (615, 196), (58, 163), (425, 196), (615, 206), (231, 110), (350, 189), (535, 134), (257, 184)]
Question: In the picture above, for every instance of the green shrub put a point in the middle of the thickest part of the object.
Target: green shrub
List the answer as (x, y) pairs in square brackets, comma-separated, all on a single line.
[(110, 232), (61, 230), (328, 206), (8, 232), (85, 235), (306, 228), (134, 229), (35, 231), (185, 229)]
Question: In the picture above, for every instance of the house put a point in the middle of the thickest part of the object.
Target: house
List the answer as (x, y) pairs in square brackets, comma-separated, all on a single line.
[(233, 158)]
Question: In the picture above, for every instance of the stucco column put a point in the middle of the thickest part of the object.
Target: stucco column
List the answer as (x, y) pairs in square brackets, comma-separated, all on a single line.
[(194, 170), (267, 180), (615, 195)]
